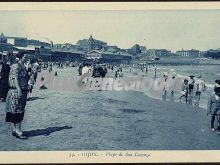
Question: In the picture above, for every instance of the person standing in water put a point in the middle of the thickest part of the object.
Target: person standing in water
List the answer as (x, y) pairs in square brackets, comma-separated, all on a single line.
[(17, 95)]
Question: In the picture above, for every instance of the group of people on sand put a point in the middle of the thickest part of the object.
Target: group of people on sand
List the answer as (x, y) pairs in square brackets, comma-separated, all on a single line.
[(191, 90), (17, 81), (96, 70), (119, 73), (192, 87)]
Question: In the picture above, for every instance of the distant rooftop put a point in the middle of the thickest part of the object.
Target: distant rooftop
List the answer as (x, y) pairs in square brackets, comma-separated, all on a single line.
[(110, 53), (186, 50), (67, 51)]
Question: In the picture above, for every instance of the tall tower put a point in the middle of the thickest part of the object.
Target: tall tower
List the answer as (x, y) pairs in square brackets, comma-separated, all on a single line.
[(91, 43)]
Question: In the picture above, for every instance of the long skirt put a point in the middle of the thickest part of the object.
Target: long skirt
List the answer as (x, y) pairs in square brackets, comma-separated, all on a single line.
[(15, 105), (14, 118)]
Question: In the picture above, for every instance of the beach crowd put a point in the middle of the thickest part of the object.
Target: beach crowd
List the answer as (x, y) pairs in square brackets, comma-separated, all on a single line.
[(18, 78)]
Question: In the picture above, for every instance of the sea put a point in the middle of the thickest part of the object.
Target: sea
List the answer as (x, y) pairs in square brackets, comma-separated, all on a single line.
[(209, 74)]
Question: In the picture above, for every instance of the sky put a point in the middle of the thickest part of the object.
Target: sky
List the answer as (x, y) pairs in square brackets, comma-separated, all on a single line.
[(168, 29)]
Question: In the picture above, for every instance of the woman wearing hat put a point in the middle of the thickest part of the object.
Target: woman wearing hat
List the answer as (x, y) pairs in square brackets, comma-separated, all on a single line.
[(17, 95)]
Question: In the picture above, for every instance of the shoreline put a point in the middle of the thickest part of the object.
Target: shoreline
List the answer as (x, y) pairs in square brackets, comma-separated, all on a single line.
[(108, 120), (180, 61)]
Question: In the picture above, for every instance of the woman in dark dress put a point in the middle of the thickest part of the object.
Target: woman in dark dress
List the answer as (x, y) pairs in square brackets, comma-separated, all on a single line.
[(4, 87), (17, 95)]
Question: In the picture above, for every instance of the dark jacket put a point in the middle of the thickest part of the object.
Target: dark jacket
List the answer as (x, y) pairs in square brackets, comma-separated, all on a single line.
[(5, 71), (4, 86), (98, 71)]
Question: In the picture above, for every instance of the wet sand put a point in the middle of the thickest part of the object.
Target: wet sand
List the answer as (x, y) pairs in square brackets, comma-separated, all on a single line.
[(108, 120)]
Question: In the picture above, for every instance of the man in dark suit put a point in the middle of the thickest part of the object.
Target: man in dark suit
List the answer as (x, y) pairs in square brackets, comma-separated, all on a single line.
[(4, 74)]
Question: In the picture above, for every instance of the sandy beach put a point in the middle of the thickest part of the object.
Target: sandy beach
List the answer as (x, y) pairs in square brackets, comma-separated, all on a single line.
[(108, 120)]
